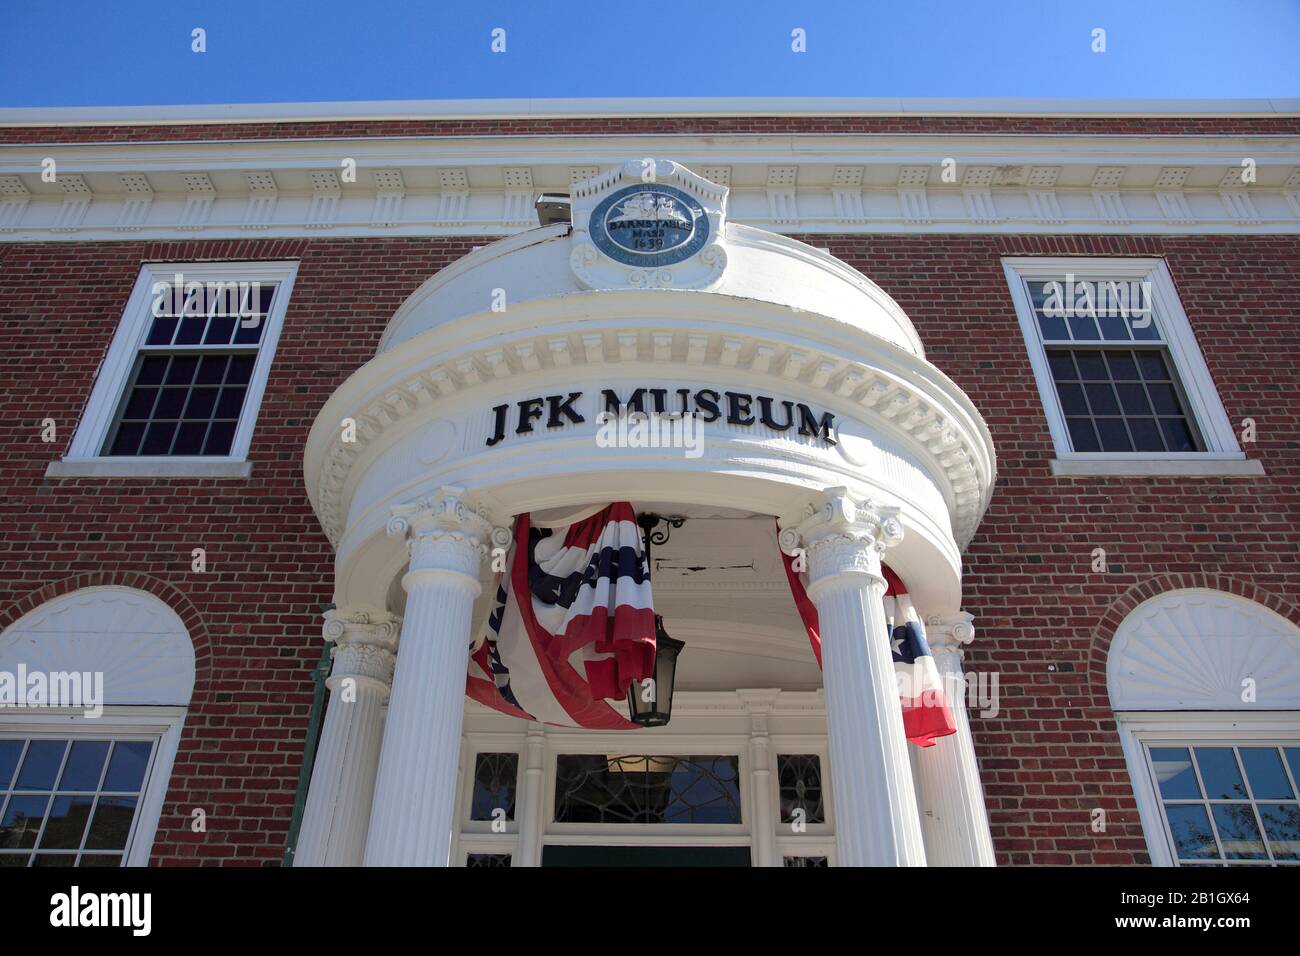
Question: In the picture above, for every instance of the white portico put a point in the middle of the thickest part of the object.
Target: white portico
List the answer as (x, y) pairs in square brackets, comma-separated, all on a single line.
[(820, 417)]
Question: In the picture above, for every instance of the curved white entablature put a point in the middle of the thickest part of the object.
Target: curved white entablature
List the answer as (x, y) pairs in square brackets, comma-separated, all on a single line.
[(731, 260), (799, 374)]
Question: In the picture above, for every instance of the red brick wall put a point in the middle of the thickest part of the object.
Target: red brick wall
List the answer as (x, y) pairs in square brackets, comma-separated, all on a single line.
[(705, 125), (1044, 619)]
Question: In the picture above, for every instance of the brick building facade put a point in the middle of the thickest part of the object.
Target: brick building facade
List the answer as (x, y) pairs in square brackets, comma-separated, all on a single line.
[(1202, 532)]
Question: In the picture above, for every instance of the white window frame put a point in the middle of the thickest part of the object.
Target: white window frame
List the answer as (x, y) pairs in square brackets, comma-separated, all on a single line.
[(84, 458), (165, 723), (1139, 729), (1222, 454)]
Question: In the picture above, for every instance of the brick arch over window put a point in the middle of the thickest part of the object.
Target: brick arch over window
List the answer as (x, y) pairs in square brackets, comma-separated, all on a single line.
[(167, 593), (1104, 633)]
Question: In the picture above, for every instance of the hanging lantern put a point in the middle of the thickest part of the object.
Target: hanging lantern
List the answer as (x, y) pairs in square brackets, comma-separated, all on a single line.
[(650, 701)]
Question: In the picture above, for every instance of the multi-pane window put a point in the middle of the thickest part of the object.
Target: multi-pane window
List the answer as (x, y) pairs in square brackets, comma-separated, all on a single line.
[(180, 387), (641, 788), (1124, 385), (496, 777), (1111, 365), (799, 777), (190, 380), (1229, 805), (70, 801)]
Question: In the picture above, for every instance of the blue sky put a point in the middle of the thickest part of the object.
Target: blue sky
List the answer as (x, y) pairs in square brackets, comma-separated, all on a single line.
[(137, 52)]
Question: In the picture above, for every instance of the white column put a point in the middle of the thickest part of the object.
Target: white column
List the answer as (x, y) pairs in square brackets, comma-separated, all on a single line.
[(530, 810), (759, 704), (337, 814), (953, 815), (415, 791), (876, 820)]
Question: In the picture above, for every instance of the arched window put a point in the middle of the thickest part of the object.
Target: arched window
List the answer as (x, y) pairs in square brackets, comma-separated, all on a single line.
[(1206, 691), (93, 690)]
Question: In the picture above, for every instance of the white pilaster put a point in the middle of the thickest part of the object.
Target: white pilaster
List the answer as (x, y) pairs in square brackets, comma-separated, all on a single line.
[(343, 779), (531, 818), (875, 802), (415, 792), (953, 816), (759, 705)]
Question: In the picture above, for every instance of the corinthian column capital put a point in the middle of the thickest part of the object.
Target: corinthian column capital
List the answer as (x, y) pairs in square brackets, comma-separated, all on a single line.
[(365, 642), (446, 532), (947, 635), (845, 535)]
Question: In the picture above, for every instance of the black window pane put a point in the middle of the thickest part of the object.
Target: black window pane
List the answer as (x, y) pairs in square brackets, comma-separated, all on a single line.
[(22, 821), (1123, 366), (162, 330), (1267, 777), (1113, 434), (1177, 435), (1146, 434), (191, 332), (10, 751), (799, 778), (1282, 826), (67, 822), (1191, 831), (220, 437), (127, 440), (1052, 327), (241, 370), (1174, 773), (496, 776), (190, 437), (112, 823), (54, 859), (84, 765), (141, 403), (100, 859), (1062, 365), (182, 369), (1144, 328), (1165, 398), (212, 369), (219, 330), (248, 331), (1153, 366), (1114, 328), (1082, 435), (1238, 831), (1220, 773), (41, 765), (487, 861), (1071, 396), (127, 765), (171, 403), (158, 439), (202, 401), (231, 401), (1102, 399), (151, 370), (1092, 366), (805, 861), (1133, 398), (1084, 328)]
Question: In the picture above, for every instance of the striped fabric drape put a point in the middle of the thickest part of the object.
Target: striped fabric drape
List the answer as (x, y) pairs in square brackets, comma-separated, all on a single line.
[(926, 714), (572, 624)]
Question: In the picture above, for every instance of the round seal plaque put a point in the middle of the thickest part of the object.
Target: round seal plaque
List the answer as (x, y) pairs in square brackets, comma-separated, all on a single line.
[(649, 225)]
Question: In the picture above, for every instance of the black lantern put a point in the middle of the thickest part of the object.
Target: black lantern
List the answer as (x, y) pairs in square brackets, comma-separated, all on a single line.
[(651, 701)]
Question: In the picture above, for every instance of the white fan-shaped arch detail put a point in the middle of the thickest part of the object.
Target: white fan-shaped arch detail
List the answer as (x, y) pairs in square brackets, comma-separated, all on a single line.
[(139, 644), (1197, 649)]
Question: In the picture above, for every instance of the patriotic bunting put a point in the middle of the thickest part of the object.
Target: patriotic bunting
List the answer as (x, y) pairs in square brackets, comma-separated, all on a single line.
[(926, 714), (572, 624)]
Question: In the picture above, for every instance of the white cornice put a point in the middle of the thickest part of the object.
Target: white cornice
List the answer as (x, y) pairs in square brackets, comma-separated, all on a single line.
[(645, 106), (828, 183)]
